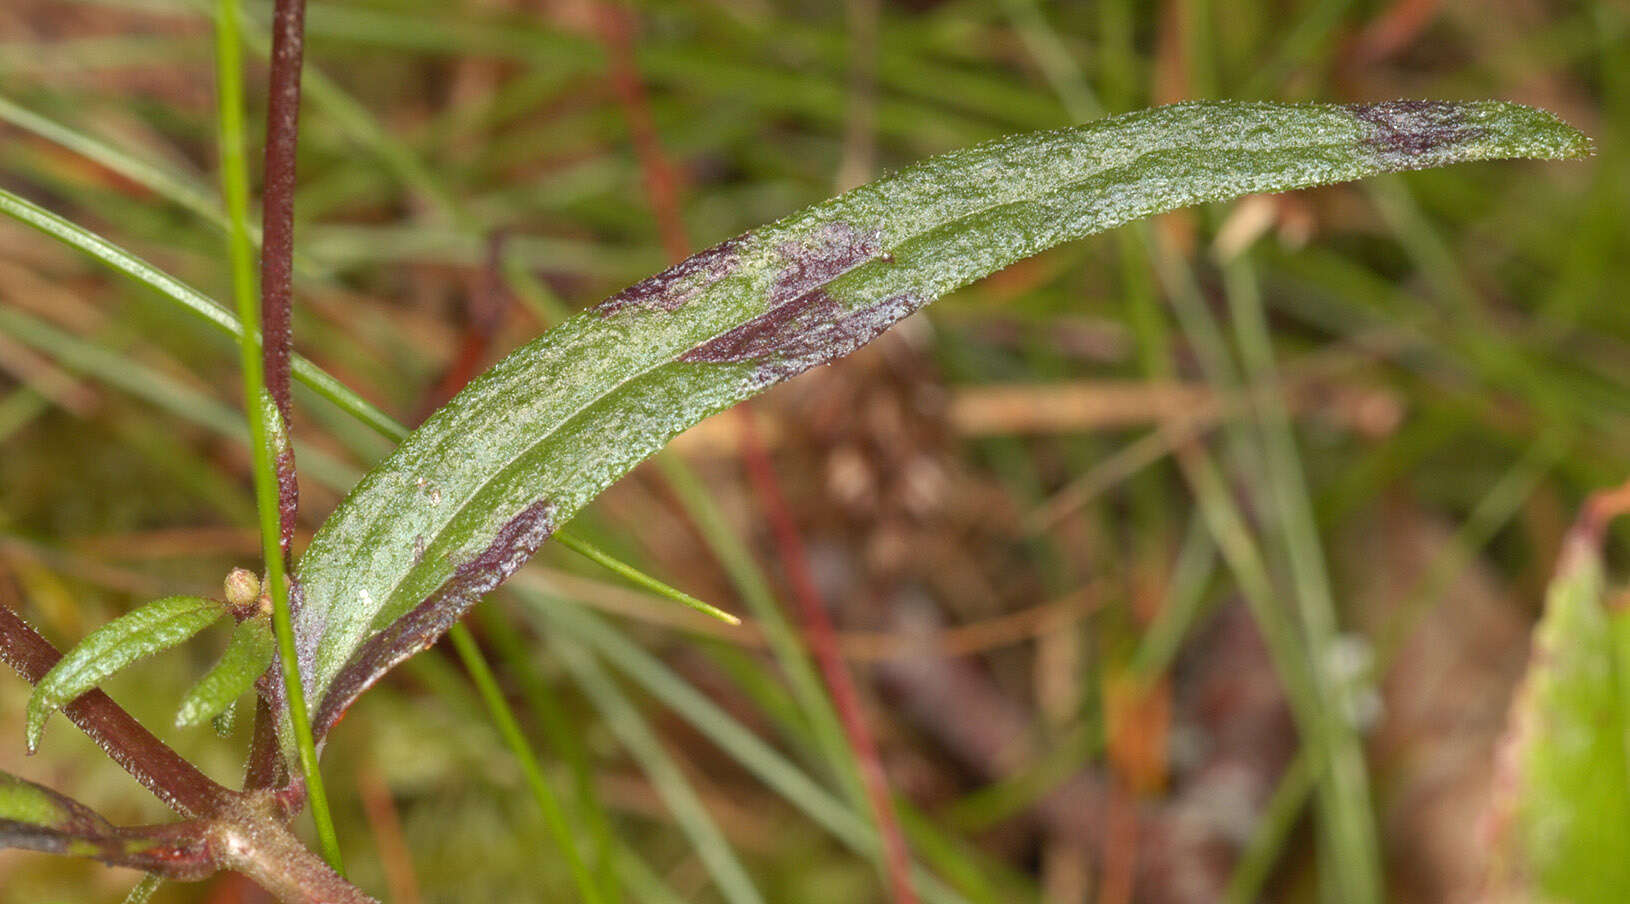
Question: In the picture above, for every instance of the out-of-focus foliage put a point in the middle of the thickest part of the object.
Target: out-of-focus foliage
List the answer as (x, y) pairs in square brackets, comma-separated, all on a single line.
[(1026, 483)]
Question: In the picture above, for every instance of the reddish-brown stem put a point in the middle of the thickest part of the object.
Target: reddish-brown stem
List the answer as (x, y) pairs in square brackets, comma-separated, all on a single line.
[(484, 316), (161, 770), (661, 180), (267, 768), (823, 642), (277, 300), (277, 250), (662, 186)]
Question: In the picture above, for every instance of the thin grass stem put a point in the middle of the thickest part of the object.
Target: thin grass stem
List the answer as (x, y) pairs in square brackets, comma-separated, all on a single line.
[(600, 557), (263, 415), (1351, 822), (486, 684)]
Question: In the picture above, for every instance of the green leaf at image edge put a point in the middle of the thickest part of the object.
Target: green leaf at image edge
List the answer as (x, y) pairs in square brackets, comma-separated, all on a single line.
[(1561, 808), (142, 632), (467, 498)]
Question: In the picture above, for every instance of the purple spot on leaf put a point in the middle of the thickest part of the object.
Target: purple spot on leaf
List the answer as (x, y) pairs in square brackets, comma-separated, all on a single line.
[(835, 250), (806, 326), (1408, 130), (673, 287), (791, 339), (423, 625)]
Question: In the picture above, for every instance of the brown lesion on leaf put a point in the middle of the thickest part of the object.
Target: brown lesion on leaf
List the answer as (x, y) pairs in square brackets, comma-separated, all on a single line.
[(834, 249), (671, 289), (423, 625), (805, 325), (1408, 130)]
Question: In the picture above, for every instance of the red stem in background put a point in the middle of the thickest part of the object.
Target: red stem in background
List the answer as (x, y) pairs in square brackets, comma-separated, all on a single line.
[(661, 183), (160, 770), (661, 180), (277, 249), (823, 643), (483, 317), (277, 304)]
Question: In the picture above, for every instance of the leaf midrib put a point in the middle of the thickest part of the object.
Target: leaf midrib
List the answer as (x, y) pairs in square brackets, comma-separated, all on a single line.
[(508, 465)]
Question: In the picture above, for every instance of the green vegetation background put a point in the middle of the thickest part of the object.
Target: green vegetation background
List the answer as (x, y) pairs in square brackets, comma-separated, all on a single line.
[(1454, 346)]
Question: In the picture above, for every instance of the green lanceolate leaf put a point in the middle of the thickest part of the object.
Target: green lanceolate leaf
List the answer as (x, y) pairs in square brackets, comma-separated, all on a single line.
[(35, 818), (247, 657), (466, 499), (156, 626), (1562, 795)]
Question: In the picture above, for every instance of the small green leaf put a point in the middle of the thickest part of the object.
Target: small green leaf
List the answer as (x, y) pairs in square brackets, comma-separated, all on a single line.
[(1562, 794), (156, 626), (468, 497), (247, 657)]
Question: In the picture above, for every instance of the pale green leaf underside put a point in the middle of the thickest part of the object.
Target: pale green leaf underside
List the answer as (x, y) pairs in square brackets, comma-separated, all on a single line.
[(142, 632), (529, 443), (247, 656)]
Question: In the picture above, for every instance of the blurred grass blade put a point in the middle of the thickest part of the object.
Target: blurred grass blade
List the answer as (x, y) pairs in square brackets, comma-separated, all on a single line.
[(156, 626), (190, 299), (575, 627), (715, 852), (467, 498), (1562, 794), (486, 685), (162, 183), (600, 557), (247, 656)]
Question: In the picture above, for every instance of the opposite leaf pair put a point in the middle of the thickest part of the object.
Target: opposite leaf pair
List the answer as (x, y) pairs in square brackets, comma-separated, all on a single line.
[(156, 627)]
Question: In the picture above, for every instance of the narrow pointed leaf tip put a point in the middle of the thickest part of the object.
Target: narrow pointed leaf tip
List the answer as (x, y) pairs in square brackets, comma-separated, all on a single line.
[(566, 415), (152, 628)]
